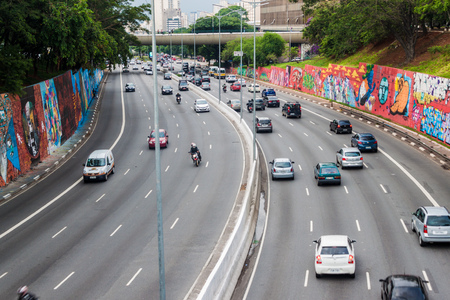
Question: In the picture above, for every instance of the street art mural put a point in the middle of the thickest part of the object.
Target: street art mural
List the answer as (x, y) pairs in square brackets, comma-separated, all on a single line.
[(40, 121), (419, 101)]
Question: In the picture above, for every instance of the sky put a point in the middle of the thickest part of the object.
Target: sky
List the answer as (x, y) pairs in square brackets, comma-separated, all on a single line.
[(188, 6)]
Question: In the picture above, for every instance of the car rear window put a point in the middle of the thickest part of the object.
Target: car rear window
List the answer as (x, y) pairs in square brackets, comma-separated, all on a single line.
[(339, 250), (438, 221), (282, 164), (344, 122), (367, 137), (264, 121), (329, 171), (352, 154)]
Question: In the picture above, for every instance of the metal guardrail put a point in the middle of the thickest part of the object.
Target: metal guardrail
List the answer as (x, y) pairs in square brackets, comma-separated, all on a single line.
[(404, 135)]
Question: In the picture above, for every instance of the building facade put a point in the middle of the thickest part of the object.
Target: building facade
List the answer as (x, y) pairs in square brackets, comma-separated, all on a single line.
[(282, 15)]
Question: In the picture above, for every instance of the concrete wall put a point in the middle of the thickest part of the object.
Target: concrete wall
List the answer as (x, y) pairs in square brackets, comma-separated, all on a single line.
[(37, 123), (418, 101)]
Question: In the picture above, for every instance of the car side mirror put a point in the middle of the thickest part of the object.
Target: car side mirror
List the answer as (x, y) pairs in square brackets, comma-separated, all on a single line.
[(271, 162), (382, 280), (292, 162), (315, 241), (337, 151), (84, 165), (353, 241)]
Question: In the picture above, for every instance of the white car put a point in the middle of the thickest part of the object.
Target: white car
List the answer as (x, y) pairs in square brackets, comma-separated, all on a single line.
[(230, 78), (349, 157), (201, 105), (149, 72), (242, 82), (99, 165), (252, 89), (334, 254)]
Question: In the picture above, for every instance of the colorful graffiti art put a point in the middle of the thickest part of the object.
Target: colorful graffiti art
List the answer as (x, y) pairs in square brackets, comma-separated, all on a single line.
[(8, 143), (51, 114), (402, 94)]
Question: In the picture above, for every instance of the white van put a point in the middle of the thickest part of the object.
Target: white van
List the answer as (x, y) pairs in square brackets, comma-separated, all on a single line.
[(99, 165)]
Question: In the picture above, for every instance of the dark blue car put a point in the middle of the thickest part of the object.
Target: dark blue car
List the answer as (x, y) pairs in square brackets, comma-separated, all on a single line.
[(365, 142)]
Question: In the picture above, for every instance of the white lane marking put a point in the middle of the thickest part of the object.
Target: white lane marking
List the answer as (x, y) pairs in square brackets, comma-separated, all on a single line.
[(291, 124), (177, 124), (176, 149), (100, 198), (146, 111), (300, 167), (134, 277), (65, 279), (126, 172), (196, 187), (178, 136), (312, 122), (210, 146), (357, 225), (149, 118), (382, 187), (116, 230), (425, 276), (345, 188), (174, 223), (345, 146), (320, 148), (306, 278), (280, 135), (56, 234), (328, 132), (291, 149), (150, 127), (3, 275), (305, 133), (404, 226), (140, 153), (40, 209), (365, 165), (148, 194), (311, 226), (368, 281), (424, 191), (209, 133), (207, 164), (167, 168), (204, 123), (276, 115), (307, 192)]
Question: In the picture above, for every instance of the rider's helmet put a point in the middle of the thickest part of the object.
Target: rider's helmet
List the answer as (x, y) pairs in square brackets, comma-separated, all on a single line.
[(22, 290), (193, 145)]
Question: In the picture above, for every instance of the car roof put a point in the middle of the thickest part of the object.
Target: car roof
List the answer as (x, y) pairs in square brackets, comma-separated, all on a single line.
[(351, 149), (99, 153), (436, 211), (263, 118), (235, 100), (281, 159), (130, 83), (334, 240), (166, 86), (405, 280), (327, 164), (365, 134)]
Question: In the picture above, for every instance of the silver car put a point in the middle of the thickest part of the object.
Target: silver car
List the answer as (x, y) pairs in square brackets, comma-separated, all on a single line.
[(205, 86), (349, 157), (282, 168), (235, 104), (201, 105), (432, 224)]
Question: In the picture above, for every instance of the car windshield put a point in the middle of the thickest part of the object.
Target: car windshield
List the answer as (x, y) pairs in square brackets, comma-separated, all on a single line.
[(167, 87), (272, 98), (438, 221), (329, 171), (339, 250), (183, 83), (351, 154), (95, 162), (401, 293), (282, 164), (161, 134), (202, 101)]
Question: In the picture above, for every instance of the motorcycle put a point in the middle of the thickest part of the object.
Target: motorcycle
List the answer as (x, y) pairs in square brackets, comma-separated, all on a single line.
[(178, 99), (224, 88), (195, 159)]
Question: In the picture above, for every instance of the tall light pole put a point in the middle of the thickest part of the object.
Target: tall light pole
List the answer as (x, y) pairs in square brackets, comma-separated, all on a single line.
[(241, 12), (220, 46), (195, 55), (162, 275)]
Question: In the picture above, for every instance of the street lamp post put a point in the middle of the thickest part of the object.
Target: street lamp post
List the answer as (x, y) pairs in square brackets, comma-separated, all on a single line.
[(220, 74)]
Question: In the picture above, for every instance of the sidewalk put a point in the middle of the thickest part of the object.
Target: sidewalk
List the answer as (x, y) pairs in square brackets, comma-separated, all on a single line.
[(58, 157)]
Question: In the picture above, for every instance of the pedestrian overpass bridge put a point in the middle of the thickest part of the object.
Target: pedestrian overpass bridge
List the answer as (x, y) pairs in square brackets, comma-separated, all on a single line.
[(213, 38)]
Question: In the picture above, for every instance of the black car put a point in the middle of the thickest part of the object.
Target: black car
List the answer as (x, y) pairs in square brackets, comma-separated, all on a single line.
[(341, 126), (185, 67), (259, 104), (198, 81), (292, 109), (129, 87), (271, 101), (166, 90), (409, 287), (183, 85), (167, 76)]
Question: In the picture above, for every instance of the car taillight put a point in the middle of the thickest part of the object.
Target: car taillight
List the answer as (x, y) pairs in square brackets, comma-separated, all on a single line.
[(321, 177), (337, 177), (338, 126), (350, 125), (274, 170), (289, 109), (361, 158), (292, 169), (318, 259), (350, 259), (375, 142), (344, 158), (270, 124), (425, 229), (359, 142)]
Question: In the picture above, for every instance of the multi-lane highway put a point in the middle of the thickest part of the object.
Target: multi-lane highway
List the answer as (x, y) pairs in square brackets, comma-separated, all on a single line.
[(99, 240)]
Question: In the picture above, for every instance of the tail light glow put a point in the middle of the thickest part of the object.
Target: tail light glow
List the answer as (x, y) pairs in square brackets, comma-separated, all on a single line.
[(318, 259), (425, 229), (351, 259)]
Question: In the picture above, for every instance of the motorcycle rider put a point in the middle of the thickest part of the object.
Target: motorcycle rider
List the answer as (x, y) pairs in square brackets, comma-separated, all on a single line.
[(194, 149), (24, 295), (224, 86), (178, 96)]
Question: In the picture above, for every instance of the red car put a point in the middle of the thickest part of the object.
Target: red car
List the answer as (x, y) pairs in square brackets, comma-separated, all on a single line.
[(163, 139), (236, 86)]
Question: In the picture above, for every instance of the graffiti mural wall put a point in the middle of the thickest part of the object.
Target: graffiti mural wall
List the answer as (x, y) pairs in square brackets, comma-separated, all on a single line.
[(416, 100), (41, 120)]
